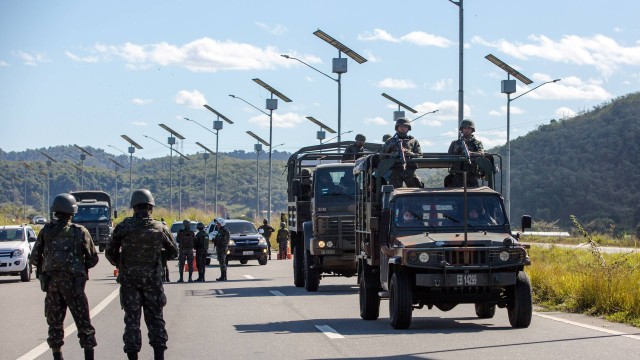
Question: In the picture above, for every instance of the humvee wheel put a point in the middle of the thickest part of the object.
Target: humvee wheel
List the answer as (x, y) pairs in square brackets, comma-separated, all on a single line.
[(520, 307), (485, 311), (311, 276), (400, 301), (298, 266), (369, 300), (101, 248)]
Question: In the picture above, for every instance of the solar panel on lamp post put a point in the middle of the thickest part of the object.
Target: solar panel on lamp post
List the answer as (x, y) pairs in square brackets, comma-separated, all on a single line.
[(321, 135), (132, 148), (171, 140), (116, 164), (399, 113), (83, 157), (217, 126), (258, 148)]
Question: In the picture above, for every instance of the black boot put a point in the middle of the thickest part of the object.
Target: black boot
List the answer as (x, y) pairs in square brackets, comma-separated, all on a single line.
[(190, 276), (158, 353), (223, 276), (88, 353), (180, 280), (57, 354), (132, 355)]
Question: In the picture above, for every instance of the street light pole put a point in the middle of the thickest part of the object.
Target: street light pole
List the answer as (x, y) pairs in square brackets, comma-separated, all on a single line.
[(205, 156), (116, 176), (83, 157), (171, 140), (26, 176), (217, 126), (49, 161), (459, 4), (258, 147), (132, 148)]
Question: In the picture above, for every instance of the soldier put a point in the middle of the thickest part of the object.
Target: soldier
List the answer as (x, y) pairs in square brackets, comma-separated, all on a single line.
[(186, 238), (201, 245), (467, 128), (221, 241), (351, 152), (404, 146), (267, 230), (283, 241), (63, 254), (135, 249)]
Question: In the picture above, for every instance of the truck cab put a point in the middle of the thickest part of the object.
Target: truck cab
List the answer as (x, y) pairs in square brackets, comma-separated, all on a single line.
[(94, 213)]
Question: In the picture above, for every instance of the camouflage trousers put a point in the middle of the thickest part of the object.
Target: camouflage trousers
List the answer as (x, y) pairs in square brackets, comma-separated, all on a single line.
[(283, 249), (201, 261), (65, 291), (185, 255), (146, 294), (222, 257), (407, 176)]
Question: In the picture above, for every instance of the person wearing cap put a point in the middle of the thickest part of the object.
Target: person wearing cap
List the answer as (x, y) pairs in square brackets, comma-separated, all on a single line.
[(351, 152), (135, 249), (221, 241), (404, 146), (467, 128), (266, 231)]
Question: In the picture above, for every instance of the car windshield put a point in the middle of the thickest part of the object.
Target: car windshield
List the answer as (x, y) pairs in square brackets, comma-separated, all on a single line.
[(334, 182), (175, 227), (10, 235), (241, 228), (446, 211), (91, 213)]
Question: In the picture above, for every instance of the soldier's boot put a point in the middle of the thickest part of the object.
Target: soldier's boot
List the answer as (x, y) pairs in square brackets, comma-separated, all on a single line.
[(88, 353), (132, 355), (223, 276), (57, 354), (180, 280), (190, 276), (158, 353)]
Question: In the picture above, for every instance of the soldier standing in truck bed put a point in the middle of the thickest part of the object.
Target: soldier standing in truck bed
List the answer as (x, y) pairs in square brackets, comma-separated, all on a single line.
[(403, 146), (467, 128)]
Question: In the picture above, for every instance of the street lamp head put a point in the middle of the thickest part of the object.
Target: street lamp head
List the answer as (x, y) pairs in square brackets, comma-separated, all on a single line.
[(285, 56), (233, 96), (556, 80)]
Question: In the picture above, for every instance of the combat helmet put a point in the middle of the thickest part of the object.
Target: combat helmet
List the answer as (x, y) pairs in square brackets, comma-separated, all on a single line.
[(403, 121), (469, 123), (200, 226), (64, 203), (142, 196), (361, 137), (221, 221), (265, 221), (283, 225)]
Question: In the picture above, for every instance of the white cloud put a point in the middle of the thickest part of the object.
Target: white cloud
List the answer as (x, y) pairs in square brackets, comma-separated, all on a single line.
[(495, 113), (193, 99), (442, 84), (371, 57), (31, 59), (390, 83), (564, 112), (86, 59), (492, 138), (617, 29), (286, 120), (140, 123), (273, 29), (375, 121), (599, 51), (139, 101), (419, 38), (378, 34), (2, 63), (447, 111)]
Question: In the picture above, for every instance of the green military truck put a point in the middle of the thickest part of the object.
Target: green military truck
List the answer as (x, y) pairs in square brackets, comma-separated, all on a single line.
[(320, 213), (440, 246), (95, 214)]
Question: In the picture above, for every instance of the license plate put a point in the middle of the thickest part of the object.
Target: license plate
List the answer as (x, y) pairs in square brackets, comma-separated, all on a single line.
[(467, 279), (247, 253)]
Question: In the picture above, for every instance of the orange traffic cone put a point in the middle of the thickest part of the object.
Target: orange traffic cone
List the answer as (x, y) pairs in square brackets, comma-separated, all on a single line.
[(289, 256), (115, 272), (195, 268)]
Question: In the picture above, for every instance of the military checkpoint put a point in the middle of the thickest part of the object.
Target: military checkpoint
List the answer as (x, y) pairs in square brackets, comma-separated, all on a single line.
[(380, 238)]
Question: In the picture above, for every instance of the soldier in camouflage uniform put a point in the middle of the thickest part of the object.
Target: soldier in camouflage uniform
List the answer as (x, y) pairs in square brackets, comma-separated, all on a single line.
[(399, 144), (267, 230), (467, 128), (354, 151), (186, 238), (221, 241), (135, 249), (283, 240), (201, 245), (63, 254)]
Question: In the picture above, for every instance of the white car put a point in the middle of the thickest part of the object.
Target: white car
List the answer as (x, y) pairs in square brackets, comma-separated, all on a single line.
[(16, 242), (178, 225)]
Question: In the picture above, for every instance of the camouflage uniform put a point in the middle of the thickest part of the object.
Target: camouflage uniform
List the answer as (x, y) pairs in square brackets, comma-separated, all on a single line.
[(135, 249), (398, 174), (283, 240), (267, 231), (63, 253), (351, 152), (185, 241), (221, 241), (456, 148), (201, 245)]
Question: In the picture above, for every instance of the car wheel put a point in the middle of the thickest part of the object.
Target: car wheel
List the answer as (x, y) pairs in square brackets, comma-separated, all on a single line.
[(485, 311), (400, 301), (25, 275), (101, 248), (244, 261), (369, 299), (311, 276), (263, 260), (520, 308)]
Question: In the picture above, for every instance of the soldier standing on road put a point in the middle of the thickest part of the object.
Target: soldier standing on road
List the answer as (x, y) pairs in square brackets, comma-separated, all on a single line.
[(201, 245), (221, 241), (351, 152), (186, 238), (467, 128), (267, 230), (404, 146), (165, 265), (283, 240), (135, 249), (63, 254)]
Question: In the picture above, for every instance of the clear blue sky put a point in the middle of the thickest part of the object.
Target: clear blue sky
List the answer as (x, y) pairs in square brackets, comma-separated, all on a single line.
[(86, 72)]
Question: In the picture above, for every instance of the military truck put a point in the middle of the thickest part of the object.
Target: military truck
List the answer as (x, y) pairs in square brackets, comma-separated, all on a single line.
[(94, 213), (439, 246), (320, 216)]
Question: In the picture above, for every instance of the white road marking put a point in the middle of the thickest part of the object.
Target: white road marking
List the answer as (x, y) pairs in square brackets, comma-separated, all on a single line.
[(586, 326), (276, 293), (329, 331), (40, 349), (218, 292), (249, 276)]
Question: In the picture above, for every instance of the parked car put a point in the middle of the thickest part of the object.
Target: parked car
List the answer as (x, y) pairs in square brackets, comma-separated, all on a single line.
[(16, 242), (245, 243), (38, 220)]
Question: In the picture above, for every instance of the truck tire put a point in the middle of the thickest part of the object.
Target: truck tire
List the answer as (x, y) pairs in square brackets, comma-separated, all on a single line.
[(520, 307), (101, 248), (298, 266), (244, 261), (485, 311), (25, 275), (369, 299), (311, 276), (263, 260), (400, 301)]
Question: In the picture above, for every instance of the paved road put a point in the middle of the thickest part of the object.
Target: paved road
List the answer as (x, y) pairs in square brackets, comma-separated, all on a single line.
[(259, 314)]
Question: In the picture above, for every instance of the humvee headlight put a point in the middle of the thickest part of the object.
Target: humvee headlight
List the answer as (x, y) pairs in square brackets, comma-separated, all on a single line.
[(329, 243), (424, 257), (262, 241), (321, 244), (504, 255)]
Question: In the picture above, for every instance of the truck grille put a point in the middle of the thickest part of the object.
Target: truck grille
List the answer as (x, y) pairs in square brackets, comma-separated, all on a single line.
[(466, 257), (336, 228)]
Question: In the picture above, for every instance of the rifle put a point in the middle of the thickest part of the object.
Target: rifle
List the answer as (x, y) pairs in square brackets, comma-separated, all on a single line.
[(402, 155), (465, 148)]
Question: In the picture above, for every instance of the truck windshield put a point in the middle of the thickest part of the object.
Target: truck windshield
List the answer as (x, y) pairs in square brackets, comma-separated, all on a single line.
[(443, 211), (334, 182), (91, 213)]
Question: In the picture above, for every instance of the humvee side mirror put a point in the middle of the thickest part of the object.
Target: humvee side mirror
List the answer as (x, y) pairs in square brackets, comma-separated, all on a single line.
[(526, 222)]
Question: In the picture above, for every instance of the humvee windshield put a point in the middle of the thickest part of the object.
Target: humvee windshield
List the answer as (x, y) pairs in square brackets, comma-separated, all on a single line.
[(91, 214)]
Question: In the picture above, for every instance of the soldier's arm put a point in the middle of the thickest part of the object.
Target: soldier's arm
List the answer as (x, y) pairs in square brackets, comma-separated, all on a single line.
[(480, 150), (38, 250), (89, 249), (416, 151), (169, 245), (452, 148), (112, 253)]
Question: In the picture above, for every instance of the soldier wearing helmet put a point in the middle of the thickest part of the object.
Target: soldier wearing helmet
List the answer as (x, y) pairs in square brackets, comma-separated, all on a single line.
[(467, 128), (185, 239), (221, 241), (63, 254), (136, 250), (201, 244), (351, 152), (266, 230), (403, 146), (283, 241)]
